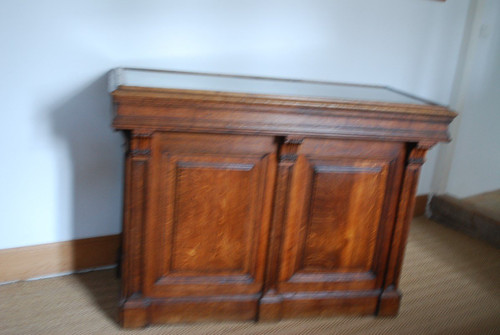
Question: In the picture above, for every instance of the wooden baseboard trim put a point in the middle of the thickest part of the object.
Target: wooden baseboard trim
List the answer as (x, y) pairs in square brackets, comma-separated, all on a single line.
[(53, 258), (420, 205), (462, 216), (46, 259)]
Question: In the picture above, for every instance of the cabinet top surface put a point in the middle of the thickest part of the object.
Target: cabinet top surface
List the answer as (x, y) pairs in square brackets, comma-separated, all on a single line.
[(299, 89)]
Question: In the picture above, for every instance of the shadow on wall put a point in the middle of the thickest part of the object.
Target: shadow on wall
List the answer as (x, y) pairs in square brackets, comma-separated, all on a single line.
[(94, 182)]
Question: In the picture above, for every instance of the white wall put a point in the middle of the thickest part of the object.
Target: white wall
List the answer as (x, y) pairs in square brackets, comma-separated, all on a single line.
[(471, 164), (62, 164)]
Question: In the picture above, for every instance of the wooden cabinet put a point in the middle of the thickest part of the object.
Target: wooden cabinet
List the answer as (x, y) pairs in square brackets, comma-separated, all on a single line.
[(261, 199)]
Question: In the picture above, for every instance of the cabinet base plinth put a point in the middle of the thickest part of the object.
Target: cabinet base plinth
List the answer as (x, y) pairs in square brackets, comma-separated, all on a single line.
[(316, 304), (141, 312), (389, 303)]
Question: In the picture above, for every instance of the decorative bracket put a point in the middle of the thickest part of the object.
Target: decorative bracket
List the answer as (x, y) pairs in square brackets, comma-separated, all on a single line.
[(417, 153), (289, 147), (140, 143)]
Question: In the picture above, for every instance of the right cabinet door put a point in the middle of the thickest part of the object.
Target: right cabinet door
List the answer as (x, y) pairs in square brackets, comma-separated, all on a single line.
[(337, 231)]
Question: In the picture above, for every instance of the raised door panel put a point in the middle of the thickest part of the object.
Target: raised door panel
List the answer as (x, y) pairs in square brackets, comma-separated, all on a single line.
[(209, 225), (213, 198), (346, 202), (338, 216)]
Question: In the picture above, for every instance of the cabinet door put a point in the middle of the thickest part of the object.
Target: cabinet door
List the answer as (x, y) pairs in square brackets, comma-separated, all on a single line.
[(339, 215), (209, 216)]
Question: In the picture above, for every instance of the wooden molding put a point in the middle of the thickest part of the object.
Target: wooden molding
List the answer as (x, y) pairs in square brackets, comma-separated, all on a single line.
[(466, 217), (142, 109), (420, 205), (45, 259)]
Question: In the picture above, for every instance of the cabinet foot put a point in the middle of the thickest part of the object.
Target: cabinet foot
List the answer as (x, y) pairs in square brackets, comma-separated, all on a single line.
[(134, 314), (389, 303), (270, 308)]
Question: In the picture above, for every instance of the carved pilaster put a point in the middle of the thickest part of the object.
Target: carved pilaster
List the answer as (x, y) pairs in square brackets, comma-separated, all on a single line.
[(390, 297), (136, 172), (271, 303)]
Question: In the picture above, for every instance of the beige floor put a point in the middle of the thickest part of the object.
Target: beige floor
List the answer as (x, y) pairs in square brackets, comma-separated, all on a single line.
[(451, 285)]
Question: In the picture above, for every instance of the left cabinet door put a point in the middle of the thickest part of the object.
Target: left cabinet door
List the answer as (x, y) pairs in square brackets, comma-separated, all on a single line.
[(207, 224)]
